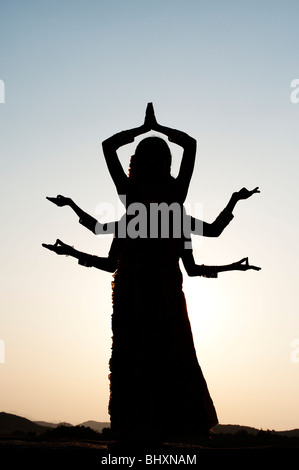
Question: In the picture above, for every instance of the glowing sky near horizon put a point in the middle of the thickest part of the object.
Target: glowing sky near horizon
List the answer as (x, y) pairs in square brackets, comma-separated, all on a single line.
[(76, 72)]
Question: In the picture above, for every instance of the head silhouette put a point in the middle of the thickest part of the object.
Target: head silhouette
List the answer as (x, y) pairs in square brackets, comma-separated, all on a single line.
[(151, 162)]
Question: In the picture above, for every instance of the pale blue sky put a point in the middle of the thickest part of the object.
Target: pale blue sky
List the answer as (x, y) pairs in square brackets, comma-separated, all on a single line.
[(76, 72)]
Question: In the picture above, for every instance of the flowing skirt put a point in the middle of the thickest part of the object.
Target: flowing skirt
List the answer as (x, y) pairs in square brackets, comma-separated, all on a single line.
[(156, 384)]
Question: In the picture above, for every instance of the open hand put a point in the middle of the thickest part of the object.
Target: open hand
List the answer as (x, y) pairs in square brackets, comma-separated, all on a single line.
[(243, 265), (59, 247), (245, 193), (60, 200)]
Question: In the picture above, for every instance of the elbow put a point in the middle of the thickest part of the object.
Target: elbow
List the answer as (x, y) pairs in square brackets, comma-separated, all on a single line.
[(215, 234), (190, 270), (217, 231), (111, 268), (192, 273), (191, 144), (105, 144), (212, 231)]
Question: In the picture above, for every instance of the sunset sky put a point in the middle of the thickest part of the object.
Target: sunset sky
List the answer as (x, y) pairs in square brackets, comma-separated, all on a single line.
[(76, 72)]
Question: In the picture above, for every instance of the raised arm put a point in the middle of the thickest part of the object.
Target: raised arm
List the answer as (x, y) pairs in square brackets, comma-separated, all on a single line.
[(189, 151), (110, 147), (182, 139)]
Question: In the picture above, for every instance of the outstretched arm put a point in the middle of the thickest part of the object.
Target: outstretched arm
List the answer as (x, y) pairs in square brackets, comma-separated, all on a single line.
[(183, 140), (215, 228), (108, 264), (84, 218), (193, 269)]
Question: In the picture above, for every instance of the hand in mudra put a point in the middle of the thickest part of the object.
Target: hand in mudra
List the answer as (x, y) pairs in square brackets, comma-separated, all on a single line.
[(243, 265), (59, 247), (150, 121), (245, 193), (60, 200)]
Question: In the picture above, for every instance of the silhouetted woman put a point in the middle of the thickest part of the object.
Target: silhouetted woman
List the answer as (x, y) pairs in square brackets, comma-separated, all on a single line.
[(156, 384), (157, 389)]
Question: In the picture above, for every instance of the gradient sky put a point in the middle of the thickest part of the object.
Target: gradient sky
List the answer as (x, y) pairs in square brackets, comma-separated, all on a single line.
[(76, 72)]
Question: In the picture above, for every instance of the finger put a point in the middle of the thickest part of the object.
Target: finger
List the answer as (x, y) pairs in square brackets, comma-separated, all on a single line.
[(52, 199), (49, 247), (151, 111), (255, 190), (256, 268)]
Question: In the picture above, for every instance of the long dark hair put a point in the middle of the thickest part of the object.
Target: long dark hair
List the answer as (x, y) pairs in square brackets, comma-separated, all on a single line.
[(152, 149)]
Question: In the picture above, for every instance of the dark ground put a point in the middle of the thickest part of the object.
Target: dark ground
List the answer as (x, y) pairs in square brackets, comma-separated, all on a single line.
[(217, 451)]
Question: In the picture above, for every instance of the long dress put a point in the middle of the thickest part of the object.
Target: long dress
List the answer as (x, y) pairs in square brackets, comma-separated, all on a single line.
[(156, 384)]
